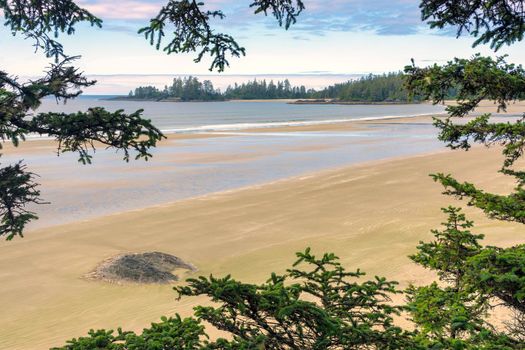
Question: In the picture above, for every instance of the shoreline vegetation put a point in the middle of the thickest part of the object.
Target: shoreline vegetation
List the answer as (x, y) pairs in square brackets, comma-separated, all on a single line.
[(372, 89), (288, 101)]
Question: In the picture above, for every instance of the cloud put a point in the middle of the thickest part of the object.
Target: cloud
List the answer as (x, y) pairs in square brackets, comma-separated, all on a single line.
[(123, 9), (382, 17)]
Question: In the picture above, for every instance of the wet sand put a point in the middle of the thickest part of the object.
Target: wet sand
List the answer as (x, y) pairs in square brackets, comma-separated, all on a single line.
[(372, 215)]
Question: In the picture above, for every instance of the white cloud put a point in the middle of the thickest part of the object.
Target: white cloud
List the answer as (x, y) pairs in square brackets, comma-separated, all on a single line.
[(123, 9)]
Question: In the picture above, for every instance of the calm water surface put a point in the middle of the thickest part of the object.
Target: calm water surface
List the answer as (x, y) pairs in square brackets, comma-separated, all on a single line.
[(209, 116), (193, 167)]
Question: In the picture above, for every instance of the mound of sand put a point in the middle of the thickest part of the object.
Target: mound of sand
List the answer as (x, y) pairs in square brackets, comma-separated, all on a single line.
[(151, 267)]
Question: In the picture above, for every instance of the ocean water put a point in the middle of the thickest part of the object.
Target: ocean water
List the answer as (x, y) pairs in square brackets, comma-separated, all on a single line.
[(221, 116), (186, 168)]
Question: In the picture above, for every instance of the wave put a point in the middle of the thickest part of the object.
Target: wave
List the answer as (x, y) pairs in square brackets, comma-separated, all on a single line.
[(263, 125)]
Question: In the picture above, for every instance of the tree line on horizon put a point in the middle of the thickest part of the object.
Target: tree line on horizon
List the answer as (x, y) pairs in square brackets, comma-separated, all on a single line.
[(388, 87)]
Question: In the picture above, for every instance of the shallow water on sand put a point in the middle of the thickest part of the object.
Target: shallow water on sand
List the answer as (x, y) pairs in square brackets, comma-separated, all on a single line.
[(184, 168), (215, 116)]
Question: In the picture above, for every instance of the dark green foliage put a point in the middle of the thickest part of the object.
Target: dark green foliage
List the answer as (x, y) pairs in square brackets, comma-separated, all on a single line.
[(187, 89), (482, 130), (321, 306), (192, 32), (263, 90), (170, 333), (453, 313), (502, 207), (474, 79), (497, 22), (17, 187), (191, 89), (477, 79), (372, 88), (285, 11), (500, 273), (445, 316), (488, 274), (449, 311), (76, 132), (73, 131), (42, 20), (453, 245)]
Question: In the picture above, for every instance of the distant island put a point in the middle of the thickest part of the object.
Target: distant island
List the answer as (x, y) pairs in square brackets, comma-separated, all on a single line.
[(190, 89), (372, 89)]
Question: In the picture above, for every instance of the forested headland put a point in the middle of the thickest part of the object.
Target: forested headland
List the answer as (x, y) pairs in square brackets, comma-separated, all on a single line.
[(371, 88), (384, 88)]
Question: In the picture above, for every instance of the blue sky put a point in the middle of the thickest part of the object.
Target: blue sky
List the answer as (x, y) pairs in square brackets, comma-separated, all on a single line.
[(332, 37)]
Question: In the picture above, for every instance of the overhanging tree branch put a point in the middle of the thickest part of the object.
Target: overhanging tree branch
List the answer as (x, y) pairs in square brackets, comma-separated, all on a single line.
[(17, 190), (498, 22), (191, 31)]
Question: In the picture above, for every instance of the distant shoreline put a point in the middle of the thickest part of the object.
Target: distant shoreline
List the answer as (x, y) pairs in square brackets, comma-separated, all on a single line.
[(123, 98), (350, 103), (288, 101)]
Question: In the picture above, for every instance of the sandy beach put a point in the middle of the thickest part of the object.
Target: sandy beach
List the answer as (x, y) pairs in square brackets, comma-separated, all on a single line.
[(149, 148), (371, 215)]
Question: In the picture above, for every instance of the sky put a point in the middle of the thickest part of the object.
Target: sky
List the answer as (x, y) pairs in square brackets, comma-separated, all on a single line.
[(336, 39)]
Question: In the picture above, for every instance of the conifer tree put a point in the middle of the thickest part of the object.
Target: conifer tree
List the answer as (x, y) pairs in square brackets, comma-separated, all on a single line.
[(451, 313), (493, 273), (316, 304)]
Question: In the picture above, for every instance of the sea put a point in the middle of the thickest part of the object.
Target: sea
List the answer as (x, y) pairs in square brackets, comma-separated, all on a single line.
[(231, 158), (177, 117)]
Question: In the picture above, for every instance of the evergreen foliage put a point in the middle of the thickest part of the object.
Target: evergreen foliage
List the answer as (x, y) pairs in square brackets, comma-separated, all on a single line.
[(187, 89), (452, 312), (371, 88), (491, 274), (320, 306), (43, 21), (316, 304), (474, 278), (192, 32), (494, 22), (262, 90), (17, 187)]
